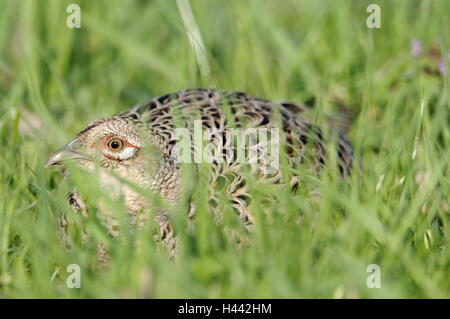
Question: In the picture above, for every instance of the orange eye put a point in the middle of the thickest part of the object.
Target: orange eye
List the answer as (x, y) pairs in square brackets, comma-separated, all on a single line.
[(115, 144)]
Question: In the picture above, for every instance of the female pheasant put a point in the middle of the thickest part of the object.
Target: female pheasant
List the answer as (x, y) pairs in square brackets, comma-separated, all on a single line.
[(141, 144)]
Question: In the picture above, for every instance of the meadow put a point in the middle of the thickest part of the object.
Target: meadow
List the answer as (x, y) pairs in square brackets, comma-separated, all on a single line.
[(391, 84)]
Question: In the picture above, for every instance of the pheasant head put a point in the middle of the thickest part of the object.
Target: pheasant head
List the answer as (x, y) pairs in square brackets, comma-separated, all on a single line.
[(119, 145)]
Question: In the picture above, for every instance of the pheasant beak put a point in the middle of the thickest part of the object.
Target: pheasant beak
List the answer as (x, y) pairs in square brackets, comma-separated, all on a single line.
[(67, 152)]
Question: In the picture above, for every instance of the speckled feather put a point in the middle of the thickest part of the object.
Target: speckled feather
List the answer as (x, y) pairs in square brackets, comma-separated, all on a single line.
[(225, 109)]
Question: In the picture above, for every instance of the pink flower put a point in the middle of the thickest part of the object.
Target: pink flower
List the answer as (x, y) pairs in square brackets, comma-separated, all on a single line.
[(441, 67), (440, 64), (416, 48)]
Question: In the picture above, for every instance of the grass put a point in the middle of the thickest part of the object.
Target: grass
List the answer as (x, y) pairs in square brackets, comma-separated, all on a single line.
[(392, 211)]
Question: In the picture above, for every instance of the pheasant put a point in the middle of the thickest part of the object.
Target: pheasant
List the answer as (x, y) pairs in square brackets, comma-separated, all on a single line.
[(140, 144)]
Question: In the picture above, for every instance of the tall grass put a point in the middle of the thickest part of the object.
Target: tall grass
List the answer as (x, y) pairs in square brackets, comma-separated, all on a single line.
[(392, 211)]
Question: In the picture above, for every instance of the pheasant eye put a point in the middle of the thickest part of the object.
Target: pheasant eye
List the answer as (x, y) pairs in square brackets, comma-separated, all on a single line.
[(115, 145)]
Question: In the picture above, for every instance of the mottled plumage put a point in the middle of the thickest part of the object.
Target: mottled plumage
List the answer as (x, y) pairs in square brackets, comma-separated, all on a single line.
[(144, 135)]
